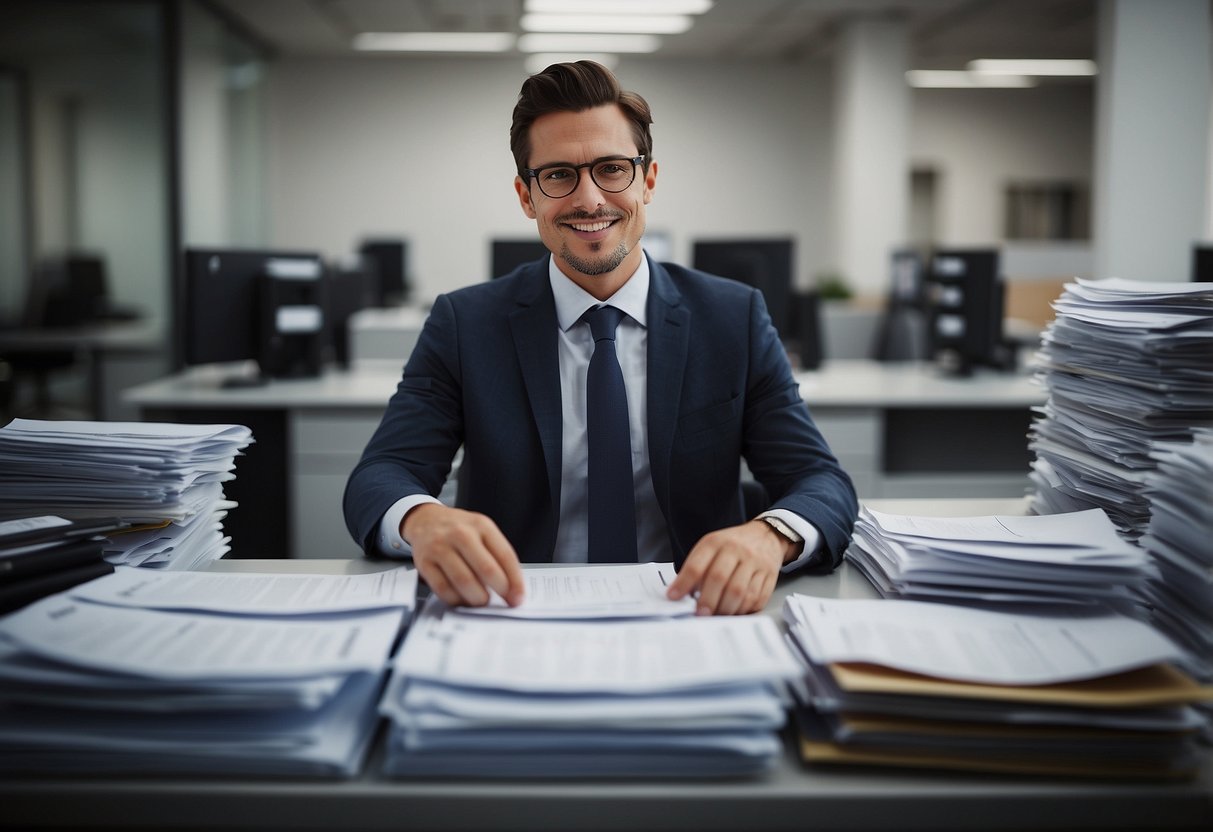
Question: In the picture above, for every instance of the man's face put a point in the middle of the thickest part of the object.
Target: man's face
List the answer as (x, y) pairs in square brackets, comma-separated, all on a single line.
[(594, 234)]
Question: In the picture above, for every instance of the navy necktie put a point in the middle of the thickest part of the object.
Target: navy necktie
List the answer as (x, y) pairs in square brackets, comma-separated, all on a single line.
[(612, 508)]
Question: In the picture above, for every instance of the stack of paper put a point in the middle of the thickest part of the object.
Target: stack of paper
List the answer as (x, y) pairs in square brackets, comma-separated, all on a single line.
[(1180, 539), (502, 697), (936, 685), (1127, 364), (40, 556), (167, 478), (1073, 559), (170, 672)]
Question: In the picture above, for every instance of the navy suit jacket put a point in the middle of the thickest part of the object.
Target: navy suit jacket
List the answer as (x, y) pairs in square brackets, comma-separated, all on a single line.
[(485, 375)]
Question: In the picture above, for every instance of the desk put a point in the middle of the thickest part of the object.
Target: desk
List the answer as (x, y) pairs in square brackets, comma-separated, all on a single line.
[(792, 797), (900, 430), (116, 354)]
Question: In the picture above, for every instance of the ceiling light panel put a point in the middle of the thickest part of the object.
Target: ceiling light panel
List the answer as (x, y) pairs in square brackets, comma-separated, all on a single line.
[(962, 79), (1033, 67), (547, 42), (434, 41), (631, 7), (652, 24)]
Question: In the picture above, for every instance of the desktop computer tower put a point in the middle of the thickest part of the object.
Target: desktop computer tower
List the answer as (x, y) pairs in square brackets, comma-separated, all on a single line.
[(291, 332), (965, 299)]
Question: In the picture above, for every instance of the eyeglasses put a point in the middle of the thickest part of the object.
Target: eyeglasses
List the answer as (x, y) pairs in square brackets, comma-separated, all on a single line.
[(613, 175)]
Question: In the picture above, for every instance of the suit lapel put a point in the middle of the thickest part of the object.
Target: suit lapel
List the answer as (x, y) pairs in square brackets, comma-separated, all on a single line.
[(669, 338), (533, 324)]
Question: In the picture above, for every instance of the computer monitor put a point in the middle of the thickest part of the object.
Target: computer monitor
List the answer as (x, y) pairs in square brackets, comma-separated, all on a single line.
[(247, 305), (507, 255), (966, 308), (1202, 263), (902, 333), (765, 264), (390, 260)]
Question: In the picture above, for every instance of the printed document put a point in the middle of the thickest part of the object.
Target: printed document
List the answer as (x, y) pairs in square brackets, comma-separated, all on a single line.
[(624, 590)]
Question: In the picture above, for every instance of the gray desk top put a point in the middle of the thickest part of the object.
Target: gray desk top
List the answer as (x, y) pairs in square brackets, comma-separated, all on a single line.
[(838, 384)]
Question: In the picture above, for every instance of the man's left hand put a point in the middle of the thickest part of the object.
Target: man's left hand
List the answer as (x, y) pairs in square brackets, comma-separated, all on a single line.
[(734, 569)]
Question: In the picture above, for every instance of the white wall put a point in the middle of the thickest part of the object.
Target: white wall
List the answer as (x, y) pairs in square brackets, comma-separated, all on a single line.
[(981, 140), (420, 148)]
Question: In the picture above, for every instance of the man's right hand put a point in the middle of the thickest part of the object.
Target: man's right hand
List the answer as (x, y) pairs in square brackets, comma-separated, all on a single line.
[(461, 555)]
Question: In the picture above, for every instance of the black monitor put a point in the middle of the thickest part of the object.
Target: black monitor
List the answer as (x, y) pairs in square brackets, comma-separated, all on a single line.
[(389, 258), (248, 305), (966, 309), (507, 255), (765, 264), (1202, 263)]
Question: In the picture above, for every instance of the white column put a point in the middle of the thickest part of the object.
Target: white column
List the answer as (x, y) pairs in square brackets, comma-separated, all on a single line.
[(871, 139), (1152, 136)]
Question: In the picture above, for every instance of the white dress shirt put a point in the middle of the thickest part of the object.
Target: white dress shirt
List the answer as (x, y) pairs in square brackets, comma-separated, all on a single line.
[(575, 346)]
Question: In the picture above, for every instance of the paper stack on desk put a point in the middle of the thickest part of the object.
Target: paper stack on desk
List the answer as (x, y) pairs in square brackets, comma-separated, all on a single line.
[(1127, 364), (1072, 559), (683, 697), (113, 677), (1180, 540), (907, 683), (167, 478)]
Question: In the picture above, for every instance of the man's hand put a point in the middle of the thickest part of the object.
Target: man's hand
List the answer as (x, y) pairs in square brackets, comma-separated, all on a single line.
[(734, 569), (461, 555)]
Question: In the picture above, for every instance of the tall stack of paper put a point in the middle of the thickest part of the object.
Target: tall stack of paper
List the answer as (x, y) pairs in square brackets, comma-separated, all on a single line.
[(1072, 559), (1127, 364), (909, 683), (478, 696), (1180, 539), (200, 673), (166, 477)]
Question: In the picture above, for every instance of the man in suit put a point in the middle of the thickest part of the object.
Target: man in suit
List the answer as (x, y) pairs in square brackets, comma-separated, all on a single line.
[(504, 369)]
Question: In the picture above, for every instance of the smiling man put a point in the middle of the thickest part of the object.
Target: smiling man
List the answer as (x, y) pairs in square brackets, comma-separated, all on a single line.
[(604, 402)]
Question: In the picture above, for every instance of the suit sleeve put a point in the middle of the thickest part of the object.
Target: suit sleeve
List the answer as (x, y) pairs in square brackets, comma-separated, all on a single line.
[(422, 428), (784, 449)]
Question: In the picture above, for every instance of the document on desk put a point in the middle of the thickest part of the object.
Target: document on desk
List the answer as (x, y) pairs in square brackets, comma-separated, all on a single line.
[(622, 590), (581, 657), (166, 645), (253, 594), (974, 645)]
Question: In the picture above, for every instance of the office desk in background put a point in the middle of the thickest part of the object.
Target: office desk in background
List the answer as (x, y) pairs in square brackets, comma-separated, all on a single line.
[(114, 355), (791, 797), (900, 430)]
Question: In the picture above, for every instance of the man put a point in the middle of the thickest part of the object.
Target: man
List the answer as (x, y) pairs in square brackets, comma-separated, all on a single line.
[(504, 369)]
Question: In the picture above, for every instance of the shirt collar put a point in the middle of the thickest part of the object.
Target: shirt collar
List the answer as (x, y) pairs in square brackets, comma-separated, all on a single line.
[(572, 301)]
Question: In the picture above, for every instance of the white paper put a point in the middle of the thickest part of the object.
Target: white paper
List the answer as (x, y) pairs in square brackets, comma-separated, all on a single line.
[(623, 590), (577, 657), (252, 593), (975, 645), (167, 645)]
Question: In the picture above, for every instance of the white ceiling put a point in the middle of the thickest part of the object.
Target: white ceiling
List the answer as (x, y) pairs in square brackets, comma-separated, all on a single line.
[(945, 33)]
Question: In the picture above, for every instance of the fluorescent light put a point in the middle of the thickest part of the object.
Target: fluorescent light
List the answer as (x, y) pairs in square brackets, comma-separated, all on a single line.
[(588, 43), (434, 41), (539, 61), (1033, 67), (653, 24), (619, 6), (961, 79)]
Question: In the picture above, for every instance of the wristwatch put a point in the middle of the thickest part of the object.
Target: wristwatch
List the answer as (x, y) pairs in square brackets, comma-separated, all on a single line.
[(784, 530)]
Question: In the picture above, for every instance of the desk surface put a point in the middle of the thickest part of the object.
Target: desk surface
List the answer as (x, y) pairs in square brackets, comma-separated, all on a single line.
[(838, 384), (792, 797), (140, 336)]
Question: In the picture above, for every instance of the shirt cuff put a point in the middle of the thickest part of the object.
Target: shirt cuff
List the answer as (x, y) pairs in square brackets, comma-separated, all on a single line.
[(812, 537), (389, 542)]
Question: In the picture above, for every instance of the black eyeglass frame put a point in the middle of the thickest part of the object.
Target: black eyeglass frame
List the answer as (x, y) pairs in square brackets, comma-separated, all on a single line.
[(533, 173)]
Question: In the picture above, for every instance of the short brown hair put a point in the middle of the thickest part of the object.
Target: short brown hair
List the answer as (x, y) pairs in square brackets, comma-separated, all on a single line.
[(575, 87)]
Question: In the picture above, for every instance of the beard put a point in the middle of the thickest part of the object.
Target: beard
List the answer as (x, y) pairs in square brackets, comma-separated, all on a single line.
[(603, 264)]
